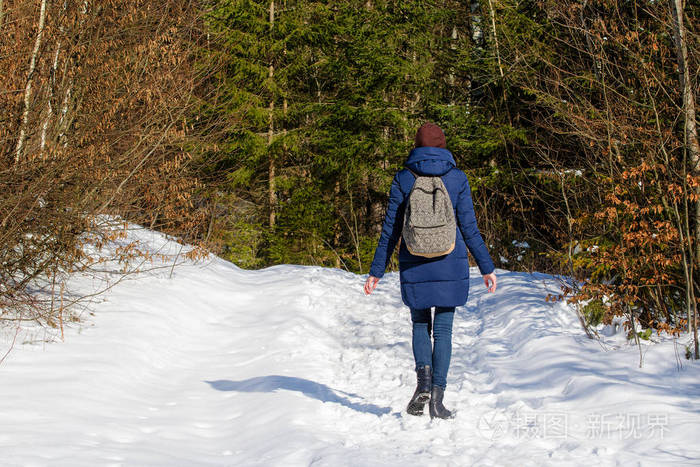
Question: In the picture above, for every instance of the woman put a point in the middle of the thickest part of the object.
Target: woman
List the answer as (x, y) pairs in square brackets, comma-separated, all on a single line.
[(441, 282)]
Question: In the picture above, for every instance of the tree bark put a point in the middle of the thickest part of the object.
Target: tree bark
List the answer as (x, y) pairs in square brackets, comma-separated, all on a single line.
[(52, 82), (451, 75), (270, 132), (30, 79), (336, 227), (475, 24), (691, 134), (495, 37), (65, 120)]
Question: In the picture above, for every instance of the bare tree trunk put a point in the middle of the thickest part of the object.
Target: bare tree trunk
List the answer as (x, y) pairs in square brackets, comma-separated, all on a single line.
[(495, 37), (272, 174), (52, 82), (354, 230), (336, 227), (64, 122), (451, 75), (49, 106), (30, 78), (691, 134), (270, 131), (475, 24)]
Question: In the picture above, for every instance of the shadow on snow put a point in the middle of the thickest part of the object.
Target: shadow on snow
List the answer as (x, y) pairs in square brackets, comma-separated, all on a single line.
[(307, 387)]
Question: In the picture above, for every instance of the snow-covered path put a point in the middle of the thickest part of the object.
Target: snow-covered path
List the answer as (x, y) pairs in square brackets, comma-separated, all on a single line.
[(294, 365)]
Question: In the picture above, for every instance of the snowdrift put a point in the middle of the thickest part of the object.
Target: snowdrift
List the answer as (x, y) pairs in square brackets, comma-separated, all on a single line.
[(294, 365)]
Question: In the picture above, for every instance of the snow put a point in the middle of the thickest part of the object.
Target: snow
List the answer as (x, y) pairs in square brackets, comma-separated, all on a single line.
[(523, 245), (294, 365)]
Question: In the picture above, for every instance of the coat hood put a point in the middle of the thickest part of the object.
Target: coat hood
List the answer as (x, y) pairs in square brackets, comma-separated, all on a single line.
[(431, 161)]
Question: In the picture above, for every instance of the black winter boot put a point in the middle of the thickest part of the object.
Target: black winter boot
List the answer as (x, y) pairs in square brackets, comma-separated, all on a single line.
[(422, 393), (436, 408)]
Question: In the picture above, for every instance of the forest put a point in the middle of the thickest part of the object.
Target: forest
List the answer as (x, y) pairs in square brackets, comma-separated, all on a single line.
[(268, 132)]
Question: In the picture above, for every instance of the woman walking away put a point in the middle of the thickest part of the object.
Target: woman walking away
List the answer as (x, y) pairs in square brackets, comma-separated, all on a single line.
[(434, 268)]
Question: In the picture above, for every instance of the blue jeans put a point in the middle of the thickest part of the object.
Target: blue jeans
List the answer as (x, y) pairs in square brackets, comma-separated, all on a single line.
[(438, 356)]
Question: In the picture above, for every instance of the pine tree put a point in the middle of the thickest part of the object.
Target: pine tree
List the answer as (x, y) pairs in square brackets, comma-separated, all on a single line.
[(350, 83)]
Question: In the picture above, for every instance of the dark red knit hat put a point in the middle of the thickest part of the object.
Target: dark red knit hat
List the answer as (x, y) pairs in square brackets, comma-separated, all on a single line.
[(430, 135)]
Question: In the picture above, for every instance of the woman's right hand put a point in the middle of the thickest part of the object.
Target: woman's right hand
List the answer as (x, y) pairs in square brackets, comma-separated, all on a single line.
[(490, 282), (371, 284)]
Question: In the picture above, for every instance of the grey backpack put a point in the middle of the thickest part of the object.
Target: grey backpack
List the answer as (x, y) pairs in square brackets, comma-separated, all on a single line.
[(429, 227)]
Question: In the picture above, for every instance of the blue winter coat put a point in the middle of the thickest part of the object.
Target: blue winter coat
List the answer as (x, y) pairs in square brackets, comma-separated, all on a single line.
[(441, 281)]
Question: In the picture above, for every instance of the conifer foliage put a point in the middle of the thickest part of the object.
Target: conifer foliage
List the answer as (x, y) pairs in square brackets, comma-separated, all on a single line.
[(330, 95)]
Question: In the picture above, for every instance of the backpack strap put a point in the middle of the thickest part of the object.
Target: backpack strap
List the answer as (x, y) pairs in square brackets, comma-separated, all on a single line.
[(415, 175)]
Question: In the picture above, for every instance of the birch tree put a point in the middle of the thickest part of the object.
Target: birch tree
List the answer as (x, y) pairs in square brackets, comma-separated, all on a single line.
[(30, 79)]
